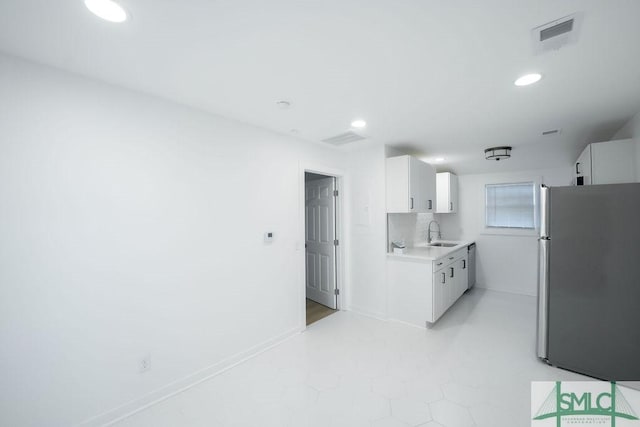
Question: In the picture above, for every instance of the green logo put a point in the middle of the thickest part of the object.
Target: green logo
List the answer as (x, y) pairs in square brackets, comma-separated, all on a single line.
[(610, 403)]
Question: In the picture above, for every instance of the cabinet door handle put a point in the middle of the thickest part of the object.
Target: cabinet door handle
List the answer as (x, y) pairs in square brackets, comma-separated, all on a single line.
[(464, 264), (451, 268), (577, 170), (443, 277), (439, 263), (451, 257), (411, 199), (451, 206), (430, 205)]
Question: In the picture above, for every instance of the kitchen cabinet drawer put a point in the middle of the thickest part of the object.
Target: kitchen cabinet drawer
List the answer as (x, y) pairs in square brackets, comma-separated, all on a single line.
[(448, 259)]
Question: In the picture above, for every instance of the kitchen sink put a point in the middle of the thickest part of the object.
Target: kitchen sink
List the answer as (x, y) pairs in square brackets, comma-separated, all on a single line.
[(443, 245)]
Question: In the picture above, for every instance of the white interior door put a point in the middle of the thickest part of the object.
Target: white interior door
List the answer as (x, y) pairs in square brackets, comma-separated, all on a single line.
[(320, 208)]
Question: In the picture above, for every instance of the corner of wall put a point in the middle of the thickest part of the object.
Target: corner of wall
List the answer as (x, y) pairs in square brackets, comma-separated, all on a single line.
[(368, 231), (631, 129)]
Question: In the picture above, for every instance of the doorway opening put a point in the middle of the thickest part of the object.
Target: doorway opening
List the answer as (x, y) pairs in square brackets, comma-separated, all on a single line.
[(321, 246)]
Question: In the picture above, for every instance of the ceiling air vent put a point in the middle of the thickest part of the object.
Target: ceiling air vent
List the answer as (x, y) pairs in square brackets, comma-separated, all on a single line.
[(556, 34), (344, 138), (556, 30)]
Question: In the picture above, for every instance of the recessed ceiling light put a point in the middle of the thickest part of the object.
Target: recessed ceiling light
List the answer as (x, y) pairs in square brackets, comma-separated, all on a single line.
[(358, 124), (283, 105), (528, 79), (439, 159), (107, 10)]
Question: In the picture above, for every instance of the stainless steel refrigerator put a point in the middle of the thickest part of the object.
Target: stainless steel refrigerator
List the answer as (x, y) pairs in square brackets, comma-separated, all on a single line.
[(589, 280)]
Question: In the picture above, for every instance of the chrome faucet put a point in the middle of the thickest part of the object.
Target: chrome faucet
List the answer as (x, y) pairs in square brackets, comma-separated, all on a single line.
[(429, 231)]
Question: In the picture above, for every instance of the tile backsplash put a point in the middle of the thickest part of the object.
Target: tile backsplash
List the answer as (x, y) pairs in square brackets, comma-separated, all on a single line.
[(412, 228)]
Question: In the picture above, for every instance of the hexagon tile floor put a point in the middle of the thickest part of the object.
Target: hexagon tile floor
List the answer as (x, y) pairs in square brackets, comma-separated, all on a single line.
[(473, 368)]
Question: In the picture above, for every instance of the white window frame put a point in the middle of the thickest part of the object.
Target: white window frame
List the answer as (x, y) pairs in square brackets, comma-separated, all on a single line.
[(505, 231)]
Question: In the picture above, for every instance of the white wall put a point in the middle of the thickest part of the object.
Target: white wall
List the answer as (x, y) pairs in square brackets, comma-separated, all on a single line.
[(131, 226), (504, 263), (368, 292), (631, 129)]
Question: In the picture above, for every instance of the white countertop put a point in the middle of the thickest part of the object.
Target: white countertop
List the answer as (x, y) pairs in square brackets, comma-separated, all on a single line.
[(424, 252)]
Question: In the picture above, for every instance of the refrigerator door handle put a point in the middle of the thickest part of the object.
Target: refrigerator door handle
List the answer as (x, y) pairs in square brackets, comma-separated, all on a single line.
[(544, 211), (543, 276), (543, 299)]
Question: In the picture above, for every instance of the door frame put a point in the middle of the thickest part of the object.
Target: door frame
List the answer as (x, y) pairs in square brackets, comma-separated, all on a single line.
[(340, 266)]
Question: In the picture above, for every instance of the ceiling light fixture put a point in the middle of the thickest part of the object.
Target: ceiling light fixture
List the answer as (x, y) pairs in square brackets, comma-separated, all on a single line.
[(107, 10), (439, 159), (497, 153), (358, 124), (528, 79)]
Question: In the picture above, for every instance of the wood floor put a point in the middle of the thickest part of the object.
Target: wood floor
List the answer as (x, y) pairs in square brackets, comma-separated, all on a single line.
[(317, 311)]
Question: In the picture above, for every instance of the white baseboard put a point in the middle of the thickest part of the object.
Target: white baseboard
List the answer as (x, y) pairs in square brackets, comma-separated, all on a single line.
[(508, 291), (367, 313), (121, 412), (413, 325)]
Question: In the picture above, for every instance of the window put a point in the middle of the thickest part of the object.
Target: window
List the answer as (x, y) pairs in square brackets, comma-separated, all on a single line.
[(510, 205)]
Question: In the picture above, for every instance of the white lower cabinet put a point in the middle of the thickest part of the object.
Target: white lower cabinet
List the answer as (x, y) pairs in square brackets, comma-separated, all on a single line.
[(449, 282), (461, 279), (440, 294), (422, 291)]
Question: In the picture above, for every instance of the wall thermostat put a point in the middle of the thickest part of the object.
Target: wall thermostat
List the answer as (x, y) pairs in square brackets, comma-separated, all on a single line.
[(268, 237)]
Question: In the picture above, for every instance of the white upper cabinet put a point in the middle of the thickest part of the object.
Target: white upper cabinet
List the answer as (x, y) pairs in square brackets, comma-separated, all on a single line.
[(411, 185), (447, 192), (582, 168), (612, 162)]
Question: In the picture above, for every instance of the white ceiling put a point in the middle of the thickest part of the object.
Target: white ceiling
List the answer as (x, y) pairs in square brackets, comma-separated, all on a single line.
[(432, 77)]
